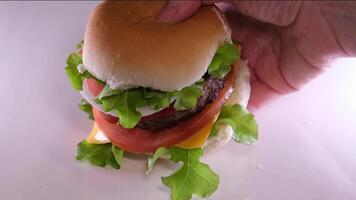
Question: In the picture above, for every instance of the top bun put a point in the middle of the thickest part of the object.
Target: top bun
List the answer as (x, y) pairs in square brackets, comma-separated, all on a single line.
[(126, 47)]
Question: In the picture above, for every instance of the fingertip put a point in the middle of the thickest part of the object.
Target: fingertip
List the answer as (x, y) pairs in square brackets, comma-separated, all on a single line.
[(261, 94), (168, 12), (175, 11), (251, 108)]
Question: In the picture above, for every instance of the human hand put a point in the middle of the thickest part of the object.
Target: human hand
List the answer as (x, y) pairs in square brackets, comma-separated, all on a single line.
[(286, 43)]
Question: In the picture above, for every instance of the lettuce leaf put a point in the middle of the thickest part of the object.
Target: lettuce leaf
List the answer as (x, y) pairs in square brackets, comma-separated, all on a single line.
[(108, 92), (193, 177), (126, 102), (156, 99), (126, 105), (87, 108), (225, 56), (75, 78), (160, 152), (100, 154), (242, 122), (109, 103), (118, 154), (188, 97), (80, 45)]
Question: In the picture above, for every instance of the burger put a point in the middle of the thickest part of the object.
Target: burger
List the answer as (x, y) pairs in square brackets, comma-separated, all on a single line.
[(163, 90)]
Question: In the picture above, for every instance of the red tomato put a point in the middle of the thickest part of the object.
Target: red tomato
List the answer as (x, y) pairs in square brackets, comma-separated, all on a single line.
[(94, 86), (138, 140)]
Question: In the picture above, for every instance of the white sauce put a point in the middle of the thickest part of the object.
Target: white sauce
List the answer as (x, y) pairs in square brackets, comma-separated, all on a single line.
[(224, 135)]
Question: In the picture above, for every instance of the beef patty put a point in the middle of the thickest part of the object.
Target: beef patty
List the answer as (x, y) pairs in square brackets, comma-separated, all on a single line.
[(170, 117)]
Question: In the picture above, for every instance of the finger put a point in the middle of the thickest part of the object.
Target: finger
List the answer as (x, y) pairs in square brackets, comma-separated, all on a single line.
[(261, 47), (261, 94), (280, 13), (210, 2), (175, 11)]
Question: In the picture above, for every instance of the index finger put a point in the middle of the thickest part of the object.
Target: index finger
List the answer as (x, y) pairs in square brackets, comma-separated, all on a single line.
[(175, 11)]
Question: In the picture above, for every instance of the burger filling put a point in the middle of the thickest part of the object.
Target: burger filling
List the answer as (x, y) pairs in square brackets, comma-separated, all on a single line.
[(211, 88), (173, 124), (171, 107), (195, 107)]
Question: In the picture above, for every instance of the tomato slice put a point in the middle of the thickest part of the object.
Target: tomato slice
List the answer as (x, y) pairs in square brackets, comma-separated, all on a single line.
[(94, 86), (138, 140)]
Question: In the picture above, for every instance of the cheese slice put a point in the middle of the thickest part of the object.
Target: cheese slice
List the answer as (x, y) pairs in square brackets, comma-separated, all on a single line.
[(96, 136), (198, 139)]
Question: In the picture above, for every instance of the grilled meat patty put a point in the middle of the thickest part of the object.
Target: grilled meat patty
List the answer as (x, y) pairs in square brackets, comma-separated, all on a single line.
[(170, 117)]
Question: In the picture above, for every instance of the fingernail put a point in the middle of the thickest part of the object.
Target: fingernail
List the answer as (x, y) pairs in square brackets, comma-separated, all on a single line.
[(167, 13)]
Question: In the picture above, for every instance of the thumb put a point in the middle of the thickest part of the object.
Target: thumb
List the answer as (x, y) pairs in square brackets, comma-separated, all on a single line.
[(175, 11)]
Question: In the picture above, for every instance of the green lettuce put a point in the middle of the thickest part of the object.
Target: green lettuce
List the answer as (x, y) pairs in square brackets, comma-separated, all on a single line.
[(193, 177), (108, 92), (156, 99), (87, 108), (126, 106), (75, 78), (126, 102), (80, 44), (242, 122), (225, 56), (160, 152), (100, 154), (188, 97)]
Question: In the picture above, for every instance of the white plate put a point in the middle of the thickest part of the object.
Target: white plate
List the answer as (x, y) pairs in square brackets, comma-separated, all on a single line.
[(306, 151)]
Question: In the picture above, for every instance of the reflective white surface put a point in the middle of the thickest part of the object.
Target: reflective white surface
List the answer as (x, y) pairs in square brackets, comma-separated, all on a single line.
[(306, 149)]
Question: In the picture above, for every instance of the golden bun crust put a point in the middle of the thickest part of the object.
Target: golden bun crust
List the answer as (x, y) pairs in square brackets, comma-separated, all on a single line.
[(126, 47)]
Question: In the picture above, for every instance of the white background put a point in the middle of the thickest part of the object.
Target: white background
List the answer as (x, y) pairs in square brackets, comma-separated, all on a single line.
[(307, 139)]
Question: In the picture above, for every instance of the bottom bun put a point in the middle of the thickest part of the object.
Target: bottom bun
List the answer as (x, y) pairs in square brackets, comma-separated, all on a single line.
[(240, 95)]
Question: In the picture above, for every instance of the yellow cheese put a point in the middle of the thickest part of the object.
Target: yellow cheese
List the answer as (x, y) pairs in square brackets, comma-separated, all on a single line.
[(198, 139), (96, 136)]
